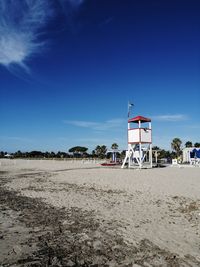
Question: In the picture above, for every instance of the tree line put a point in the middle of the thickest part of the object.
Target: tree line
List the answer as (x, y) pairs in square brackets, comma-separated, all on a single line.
[(74, 152), (101, 152)]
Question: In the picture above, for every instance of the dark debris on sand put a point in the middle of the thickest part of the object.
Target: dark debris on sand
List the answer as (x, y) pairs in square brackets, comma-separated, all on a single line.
[(76, 238)]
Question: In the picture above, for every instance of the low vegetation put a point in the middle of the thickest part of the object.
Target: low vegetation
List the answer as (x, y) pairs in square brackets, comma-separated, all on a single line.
[(101, 152)]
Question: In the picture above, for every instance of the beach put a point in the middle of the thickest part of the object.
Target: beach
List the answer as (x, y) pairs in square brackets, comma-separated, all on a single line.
[(78, 213)]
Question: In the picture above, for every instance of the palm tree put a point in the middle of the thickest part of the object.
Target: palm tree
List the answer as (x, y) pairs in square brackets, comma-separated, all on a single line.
[(114, 146), (155, 148), (197, 144), (188, 144), (176, 146)]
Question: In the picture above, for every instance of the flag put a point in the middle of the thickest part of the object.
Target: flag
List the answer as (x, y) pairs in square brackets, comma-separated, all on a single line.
[(129, 108)]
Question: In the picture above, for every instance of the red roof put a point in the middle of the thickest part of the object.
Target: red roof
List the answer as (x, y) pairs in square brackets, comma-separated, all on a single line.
[(139, 118)]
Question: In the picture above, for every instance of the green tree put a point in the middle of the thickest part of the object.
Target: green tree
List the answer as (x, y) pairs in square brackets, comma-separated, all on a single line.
[(52, 154), (162, 153), (176, 146), (2, 154), (100, 151), (197, 145), (155, 148), (36, 154), (18, 154), (188, 144), (94, 154), (78, 150), (47, 155), (114, 146), (59, 155), (123, 154)]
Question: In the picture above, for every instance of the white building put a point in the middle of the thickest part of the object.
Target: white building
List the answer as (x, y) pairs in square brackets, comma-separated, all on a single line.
[(190, 153)]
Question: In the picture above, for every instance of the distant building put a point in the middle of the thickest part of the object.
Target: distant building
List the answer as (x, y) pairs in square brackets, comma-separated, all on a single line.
[(190, 153), (8, 156)]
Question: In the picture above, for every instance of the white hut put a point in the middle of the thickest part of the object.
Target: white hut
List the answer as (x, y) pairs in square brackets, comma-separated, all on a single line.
[(190, 154)]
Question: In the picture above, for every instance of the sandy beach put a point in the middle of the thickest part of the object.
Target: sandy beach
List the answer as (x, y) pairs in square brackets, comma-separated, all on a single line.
[(78, 213)]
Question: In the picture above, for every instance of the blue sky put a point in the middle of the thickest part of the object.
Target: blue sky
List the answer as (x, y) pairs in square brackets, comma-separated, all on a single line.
[(68, 69)]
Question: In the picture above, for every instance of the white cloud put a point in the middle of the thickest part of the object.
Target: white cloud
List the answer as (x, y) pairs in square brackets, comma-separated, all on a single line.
[(170, 118), (21, 26), (20, 23), (99, 126)]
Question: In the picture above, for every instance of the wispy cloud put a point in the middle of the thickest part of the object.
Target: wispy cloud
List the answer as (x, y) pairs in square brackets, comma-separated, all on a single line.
[(170, 118), (99, 126), (22, 24)]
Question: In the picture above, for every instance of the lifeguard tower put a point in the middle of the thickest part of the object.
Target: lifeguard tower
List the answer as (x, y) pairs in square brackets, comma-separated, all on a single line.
[(139, 154)]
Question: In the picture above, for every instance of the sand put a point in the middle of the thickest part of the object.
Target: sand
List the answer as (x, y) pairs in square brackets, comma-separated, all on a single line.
[(115, 217)]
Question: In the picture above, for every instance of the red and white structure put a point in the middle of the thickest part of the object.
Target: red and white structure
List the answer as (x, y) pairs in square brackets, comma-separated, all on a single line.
[(139, 152)]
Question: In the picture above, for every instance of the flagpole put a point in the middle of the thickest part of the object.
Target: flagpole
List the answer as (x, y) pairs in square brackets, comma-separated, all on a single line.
[(129, 108), (129, 111)]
